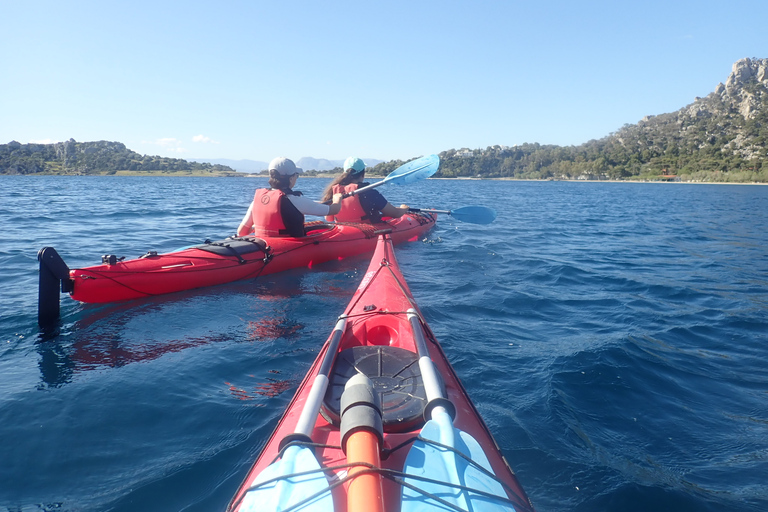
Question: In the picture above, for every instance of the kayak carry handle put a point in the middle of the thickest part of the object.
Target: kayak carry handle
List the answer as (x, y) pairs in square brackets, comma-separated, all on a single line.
[(54, 279)]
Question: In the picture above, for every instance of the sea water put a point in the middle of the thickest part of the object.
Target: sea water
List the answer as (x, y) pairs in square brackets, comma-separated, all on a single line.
[(612, 335)]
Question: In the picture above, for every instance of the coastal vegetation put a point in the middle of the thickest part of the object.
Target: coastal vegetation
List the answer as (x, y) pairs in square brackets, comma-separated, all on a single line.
[(97, 158), (722, 137)]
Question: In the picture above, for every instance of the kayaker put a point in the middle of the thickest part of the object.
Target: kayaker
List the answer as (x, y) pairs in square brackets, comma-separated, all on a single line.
[(279, 210), (368, 206)]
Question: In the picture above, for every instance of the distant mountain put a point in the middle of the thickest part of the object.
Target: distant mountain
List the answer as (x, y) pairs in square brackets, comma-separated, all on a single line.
[(238, 165), (722, 137), (306, 163), (321, 164), (318, 164)]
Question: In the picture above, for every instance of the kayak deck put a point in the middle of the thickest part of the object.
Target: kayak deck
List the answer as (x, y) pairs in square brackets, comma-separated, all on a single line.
[(378, 338)]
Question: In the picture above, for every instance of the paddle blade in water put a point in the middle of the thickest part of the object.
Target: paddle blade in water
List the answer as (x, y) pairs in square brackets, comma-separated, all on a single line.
[(474, 214), (415, 170), (308, 485), (442, 465)]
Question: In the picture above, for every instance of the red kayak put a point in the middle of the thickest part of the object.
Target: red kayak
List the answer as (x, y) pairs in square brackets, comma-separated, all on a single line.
[(234, 259), (381, 422)]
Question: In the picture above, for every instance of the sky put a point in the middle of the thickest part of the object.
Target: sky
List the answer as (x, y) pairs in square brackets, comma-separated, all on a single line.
[(383, 80)]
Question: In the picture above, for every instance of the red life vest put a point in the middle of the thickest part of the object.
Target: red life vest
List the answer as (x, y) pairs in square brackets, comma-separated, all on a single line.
[(267, 213), (351, 209)]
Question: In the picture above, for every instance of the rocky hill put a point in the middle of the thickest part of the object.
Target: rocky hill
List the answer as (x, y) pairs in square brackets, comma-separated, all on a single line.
[(722, 137), (100, 157)]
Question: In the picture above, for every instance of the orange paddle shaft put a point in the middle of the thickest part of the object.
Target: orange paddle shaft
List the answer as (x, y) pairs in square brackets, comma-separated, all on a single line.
[(362, 434), (364, 493)]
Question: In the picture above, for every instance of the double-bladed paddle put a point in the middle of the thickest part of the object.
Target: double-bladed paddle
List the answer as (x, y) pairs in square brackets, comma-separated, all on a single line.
[(440, 454), (471, 214), (297, 476), (408, 173)]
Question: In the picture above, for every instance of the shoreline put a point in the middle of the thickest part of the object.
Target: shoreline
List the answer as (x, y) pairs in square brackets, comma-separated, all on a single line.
[(192, 174)]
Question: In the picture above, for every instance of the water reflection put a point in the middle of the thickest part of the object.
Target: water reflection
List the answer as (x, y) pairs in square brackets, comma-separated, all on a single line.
[(269, 389), (116, 335)]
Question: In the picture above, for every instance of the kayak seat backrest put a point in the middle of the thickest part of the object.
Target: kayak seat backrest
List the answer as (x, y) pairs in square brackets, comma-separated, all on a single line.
[(231, 247), (396, 378)]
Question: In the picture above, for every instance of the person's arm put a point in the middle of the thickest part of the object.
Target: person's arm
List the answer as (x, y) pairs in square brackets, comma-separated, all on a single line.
[(394, 211), (246, 225), (373, 201), (335, 206), (310, 207)]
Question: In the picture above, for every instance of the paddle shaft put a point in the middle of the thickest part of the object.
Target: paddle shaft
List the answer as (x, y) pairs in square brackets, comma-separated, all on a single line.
[(364, 493), (424, 170), (362, 433), (308, 417), (427, 367), (424, 210), (297, 474), (388, 179), (441, 412), (471, 214)]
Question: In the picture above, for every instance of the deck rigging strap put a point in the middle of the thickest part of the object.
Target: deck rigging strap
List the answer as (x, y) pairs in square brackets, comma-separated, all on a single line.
[(398, 477), (237, 247)]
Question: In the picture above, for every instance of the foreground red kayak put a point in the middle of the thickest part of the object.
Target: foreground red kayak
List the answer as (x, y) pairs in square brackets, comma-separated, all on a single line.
[(233, 259), (381, 422)]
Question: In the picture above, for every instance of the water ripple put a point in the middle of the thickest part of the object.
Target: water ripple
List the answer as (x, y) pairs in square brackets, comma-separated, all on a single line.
[(613, 337)]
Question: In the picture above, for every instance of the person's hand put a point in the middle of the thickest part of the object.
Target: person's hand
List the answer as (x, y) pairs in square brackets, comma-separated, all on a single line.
[(404, 206), (337, 198)]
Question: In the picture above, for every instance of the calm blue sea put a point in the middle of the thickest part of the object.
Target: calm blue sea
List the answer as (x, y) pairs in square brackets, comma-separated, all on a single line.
[(614, 337)]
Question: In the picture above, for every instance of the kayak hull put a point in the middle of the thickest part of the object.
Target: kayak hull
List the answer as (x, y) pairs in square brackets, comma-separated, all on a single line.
[(235, 259), (378, 341)]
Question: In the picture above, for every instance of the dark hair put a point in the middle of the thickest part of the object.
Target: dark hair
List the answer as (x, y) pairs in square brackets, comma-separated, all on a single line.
[(344, 178), (279, 181)]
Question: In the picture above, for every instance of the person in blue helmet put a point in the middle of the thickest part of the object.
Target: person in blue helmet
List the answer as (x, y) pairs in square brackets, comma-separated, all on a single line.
[(368, 206), (279, 210)]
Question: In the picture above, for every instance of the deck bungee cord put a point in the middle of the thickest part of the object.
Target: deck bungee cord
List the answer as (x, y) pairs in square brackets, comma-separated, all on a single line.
[(394, 475)]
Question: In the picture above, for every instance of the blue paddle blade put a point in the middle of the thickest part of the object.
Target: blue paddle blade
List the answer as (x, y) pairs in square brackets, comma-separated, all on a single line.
[(474, 214), (286, 490), (441, 465), (415, 170)]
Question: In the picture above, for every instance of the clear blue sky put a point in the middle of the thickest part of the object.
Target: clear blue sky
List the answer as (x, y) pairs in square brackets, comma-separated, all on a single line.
[(385, 80)]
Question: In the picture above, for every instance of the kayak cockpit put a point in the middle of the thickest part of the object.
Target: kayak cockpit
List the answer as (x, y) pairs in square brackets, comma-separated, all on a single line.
[(396, 379), (317, 227)]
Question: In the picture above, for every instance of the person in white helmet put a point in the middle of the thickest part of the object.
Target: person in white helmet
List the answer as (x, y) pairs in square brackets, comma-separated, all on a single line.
[(368, 206), (280, 210)]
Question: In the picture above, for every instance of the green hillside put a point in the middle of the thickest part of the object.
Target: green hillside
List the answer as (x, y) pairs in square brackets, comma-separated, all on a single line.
[(97, 158), (720, 138)]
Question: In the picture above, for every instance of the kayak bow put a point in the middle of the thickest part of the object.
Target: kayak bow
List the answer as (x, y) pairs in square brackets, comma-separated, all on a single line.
[(393, 411)]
